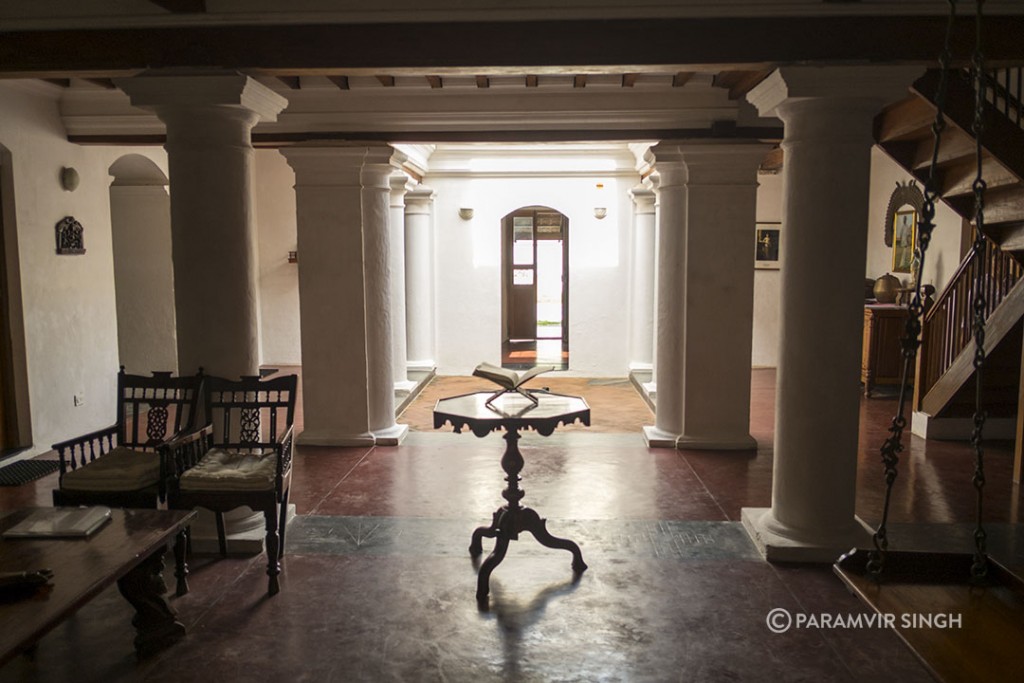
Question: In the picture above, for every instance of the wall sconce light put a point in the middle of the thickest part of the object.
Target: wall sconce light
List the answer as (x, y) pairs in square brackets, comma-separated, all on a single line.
[(600, 212), (293, 257), (69, 178), (465, 213)]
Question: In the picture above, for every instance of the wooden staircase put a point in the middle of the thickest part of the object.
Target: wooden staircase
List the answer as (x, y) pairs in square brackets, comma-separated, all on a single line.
[(904, 132)]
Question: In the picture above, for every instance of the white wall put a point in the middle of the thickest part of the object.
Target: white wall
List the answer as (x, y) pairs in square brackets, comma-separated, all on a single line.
[(68, 301), (468, 257), (143, 268), (278, 279), (767, 283), (943, 255)]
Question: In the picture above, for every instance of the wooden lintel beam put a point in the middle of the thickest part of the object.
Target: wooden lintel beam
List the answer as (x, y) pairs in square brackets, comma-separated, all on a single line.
[(340, 81), (435, 81), (387, 81), (483, 82), (579, 81), (181, 6), (531, 81), (62, 82), (292, 82), (628, 80), (772, 162)]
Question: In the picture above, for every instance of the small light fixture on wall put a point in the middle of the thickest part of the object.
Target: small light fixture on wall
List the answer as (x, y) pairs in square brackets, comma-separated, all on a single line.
[(465, 213), (600, 211), (293, 257), (69, 178)]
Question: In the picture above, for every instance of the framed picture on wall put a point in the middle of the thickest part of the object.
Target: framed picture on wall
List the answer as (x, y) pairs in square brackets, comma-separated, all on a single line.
[(766, 245), (904, 238)]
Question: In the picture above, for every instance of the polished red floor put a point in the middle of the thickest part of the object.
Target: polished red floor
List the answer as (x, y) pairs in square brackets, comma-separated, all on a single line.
[(378, 584)]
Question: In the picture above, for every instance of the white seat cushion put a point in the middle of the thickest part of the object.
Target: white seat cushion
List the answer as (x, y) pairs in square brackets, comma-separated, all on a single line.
[(221, 470), (122, 469)]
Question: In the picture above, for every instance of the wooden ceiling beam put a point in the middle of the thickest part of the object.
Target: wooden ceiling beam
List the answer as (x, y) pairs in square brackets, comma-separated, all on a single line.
[(435, 82), (681, 78), (590, 46), (628, 80), (340, 81), (291, 82), (531, 81), (387, 81), (579, 81), (483, 82), (181, 6), (739, 83)]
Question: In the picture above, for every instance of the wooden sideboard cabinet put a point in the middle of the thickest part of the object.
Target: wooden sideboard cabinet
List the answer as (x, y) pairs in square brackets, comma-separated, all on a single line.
[(882, 362)]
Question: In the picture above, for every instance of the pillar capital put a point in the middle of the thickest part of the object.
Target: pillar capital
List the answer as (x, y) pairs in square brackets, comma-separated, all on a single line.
[(876, 85), (419, 200), (164, 91), (339, 165), (643, 199), (401, 183), (719, 162)]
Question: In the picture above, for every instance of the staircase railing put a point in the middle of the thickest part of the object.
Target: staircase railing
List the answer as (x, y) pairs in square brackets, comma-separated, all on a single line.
[(1003, 89), (946, 329)]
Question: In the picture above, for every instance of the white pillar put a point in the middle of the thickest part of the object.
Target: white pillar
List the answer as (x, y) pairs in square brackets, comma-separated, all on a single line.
[(400, 184), (210, 163), (828, 114), (343, 296), (419, 284), (641, 332), (721, 210), (376, 200), (671, 295)]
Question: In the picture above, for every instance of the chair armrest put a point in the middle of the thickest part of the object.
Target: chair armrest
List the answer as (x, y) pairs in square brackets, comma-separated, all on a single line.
[(285, 451), (73, 453), (180, 453)]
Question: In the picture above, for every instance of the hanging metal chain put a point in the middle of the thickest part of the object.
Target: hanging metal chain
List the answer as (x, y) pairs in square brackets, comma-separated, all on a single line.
[(911, 340), (979, 567)]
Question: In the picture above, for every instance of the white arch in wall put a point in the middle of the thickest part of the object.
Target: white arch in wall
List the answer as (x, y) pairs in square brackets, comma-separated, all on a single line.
[(140, 221), (14, 394)]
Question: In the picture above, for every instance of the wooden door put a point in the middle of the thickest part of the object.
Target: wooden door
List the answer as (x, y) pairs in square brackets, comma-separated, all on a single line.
[(520, 266)]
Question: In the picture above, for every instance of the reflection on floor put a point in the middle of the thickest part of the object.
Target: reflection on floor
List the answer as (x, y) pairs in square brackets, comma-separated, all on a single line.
[(525, 354), (378, 583)]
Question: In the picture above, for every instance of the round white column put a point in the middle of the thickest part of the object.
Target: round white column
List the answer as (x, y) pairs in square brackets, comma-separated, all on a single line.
[(400, 184), (641, 326), (376, 200), (210, 163), (671, 297), (419, 284), (828, 115)]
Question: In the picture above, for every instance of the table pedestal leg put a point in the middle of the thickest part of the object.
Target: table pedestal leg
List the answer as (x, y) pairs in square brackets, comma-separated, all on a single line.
[(154, 620), (510, 520)]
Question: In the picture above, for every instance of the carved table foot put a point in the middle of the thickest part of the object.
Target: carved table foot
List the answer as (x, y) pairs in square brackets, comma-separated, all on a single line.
[(154, 620), (476, 545), (530, 521)]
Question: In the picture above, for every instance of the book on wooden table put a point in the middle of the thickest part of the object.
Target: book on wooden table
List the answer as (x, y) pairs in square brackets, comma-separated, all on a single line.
[(69, 522), (510, 381)]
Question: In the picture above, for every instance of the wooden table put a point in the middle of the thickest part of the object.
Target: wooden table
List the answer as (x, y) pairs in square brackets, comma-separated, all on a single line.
[(129, 549), (512, 413)]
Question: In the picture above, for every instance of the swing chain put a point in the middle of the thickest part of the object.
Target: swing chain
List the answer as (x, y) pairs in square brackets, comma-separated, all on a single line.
[(979, 566), (911, 340)]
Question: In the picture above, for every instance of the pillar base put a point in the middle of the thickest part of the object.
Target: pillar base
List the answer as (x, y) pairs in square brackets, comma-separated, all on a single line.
[(390, 436), (313, 438), (245, 536), (739, 442), (656, 438), (403, 387), (421, 366), (777, 545)]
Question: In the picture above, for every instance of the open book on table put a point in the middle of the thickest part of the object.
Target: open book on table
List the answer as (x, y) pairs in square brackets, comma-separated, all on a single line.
[(510, 381)]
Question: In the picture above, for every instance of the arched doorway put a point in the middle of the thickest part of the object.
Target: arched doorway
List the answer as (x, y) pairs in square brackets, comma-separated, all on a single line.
[(140, 219), (535, 288)]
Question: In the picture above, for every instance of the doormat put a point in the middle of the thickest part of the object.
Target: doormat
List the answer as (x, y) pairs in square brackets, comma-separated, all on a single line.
[(24, 471)]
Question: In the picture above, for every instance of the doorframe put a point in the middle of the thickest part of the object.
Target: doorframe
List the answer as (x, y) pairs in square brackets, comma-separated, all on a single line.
[(506, 266), (17, 414)]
